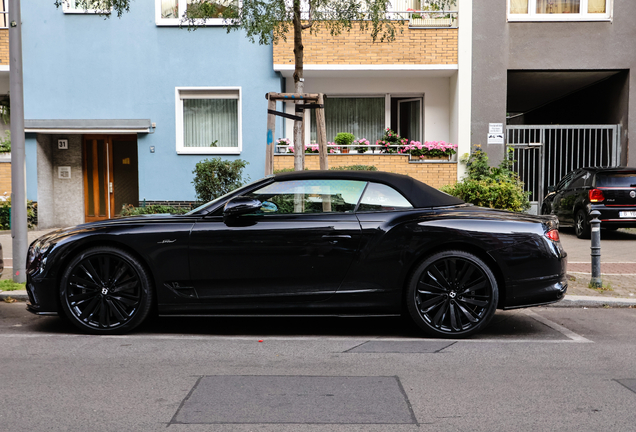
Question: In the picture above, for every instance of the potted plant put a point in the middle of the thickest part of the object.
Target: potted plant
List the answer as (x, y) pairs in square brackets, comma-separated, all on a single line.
[(362, 145), (430, 150), (283, 145), (390, 139), (344, 139)]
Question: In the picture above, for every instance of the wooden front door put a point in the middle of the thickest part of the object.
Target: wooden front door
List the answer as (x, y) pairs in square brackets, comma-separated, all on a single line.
[(110, 175)]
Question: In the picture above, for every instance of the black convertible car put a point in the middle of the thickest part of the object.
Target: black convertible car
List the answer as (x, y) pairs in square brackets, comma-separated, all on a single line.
[(321, 243)]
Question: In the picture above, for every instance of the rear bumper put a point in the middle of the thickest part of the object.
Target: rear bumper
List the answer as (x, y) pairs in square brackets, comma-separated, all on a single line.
[(611, 216), (540, 295)]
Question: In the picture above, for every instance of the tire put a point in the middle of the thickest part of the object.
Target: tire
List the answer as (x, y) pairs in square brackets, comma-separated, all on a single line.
[(105, 290), (581, 226), (440, 300)]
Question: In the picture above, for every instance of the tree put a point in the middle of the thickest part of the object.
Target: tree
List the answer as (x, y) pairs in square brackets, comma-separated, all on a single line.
[(268, 21)]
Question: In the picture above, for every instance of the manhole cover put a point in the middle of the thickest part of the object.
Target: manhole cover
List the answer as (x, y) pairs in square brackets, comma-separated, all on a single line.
[(296, 399), (420, 347), (630, 383)]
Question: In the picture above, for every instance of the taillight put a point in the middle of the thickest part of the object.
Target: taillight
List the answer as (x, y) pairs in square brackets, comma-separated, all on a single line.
[(553, 235), (596, 195)]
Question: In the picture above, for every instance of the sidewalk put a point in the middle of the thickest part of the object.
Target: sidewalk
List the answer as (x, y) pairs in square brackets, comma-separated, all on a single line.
[(618, 269)]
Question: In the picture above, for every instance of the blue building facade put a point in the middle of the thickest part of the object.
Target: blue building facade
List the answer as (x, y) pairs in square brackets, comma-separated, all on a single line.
[(118, 110)]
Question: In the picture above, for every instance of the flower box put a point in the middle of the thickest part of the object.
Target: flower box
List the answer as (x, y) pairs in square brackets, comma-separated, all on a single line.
[(431, 22), (425, 158)]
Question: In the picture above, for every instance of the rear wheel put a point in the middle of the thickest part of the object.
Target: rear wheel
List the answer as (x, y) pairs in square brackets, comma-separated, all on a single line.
[(452, 294), (581, 226), (105, 290)]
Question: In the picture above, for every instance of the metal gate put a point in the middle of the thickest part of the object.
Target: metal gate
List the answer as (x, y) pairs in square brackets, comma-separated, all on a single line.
[(544, 154)]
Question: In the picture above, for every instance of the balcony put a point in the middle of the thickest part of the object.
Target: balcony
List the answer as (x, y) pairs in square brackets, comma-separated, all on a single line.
[(423, 38)]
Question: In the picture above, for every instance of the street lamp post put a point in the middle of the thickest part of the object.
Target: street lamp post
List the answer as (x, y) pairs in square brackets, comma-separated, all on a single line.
[(18, 154)]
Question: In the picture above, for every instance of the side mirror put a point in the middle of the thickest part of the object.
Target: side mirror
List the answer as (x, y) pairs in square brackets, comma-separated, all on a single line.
[(241, 205), (551, 189)]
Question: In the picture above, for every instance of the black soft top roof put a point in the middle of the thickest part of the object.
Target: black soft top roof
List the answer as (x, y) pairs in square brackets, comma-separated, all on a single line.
[(419, 194)]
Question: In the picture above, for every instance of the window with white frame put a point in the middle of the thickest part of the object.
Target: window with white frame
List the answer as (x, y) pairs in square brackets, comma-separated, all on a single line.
[(559, 10), (364, 117), (171, 12), (86, 6), (208, 120)]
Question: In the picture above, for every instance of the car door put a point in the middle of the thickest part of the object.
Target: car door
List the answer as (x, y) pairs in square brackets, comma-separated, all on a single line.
[(570, 195), (298, 247), (558, 207)]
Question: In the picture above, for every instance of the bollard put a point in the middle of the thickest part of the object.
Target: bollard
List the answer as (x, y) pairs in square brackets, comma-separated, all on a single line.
[(595, 232)]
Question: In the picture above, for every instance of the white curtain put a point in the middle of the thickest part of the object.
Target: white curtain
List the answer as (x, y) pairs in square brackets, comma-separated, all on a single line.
[(596, 6), (363, 117), (210, 122), (169, 8), (518, 6), (558, 6)]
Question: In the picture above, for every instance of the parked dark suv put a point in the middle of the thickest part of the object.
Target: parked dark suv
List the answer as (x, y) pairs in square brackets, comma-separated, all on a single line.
[(612, 191)]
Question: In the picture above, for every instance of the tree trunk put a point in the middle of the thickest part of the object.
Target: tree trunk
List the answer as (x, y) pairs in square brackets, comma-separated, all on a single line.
[(299, 87)]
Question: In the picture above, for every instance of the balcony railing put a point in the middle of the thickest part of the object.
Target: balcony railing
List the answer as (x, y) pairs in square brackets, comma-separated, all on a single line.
[(416, 18)]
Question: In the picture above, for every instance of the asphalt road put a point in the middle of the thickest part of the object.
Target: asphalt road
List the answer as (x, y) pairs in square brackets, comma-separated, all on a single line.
[(541, 369)]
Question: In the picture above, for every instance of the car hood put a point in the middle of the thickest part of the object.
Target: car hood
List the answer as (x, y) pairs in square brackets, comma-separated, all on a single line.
[(94, 226)]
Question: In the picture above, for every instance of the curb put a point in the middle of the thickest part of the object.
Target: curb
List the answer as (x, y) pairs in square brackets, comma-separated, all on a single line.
[(17, 295), (569, 301), (576, 301)]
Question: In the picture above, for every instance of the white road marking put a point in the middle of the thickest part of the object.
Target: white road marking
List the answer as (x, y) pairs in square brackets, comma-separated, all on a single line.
[(265, 339), (605, 274), (564, 331)]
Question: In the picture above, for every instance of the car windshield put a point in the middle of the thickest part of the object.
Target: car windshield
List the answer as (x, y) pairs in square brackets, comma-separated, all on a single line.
[(616, 180)]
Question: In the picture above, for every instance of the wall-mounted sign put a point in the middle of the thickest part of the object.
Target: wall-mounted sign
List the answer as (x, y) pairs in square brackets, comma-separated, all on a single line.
[(495, 133), (64, 172), (62, 144)]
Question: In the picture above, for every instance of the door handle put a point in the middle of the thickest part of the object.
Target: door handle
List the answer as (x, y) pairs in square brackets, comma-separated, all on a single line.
[(333, 238), (336, 236)]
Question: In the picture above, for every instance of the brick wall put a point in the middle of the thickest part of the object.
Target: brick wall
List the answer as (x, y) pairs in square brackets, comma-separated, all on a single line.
[(4, 46), (5, 178), (434, 174), (411, 46)]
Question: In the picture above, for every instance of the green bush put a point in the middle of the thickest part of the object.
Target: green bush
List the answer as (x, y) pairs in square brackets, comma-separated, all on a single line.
[(485, 186), (130, 210), (344, 138), (355, 168), (5, 143), (216, 177), (5, 214)]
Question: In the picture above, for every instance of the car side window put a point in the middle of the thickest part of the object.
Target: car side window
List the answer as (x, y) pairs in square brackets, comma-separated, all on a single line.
[(309, 196), (380, 197), (565, 181), (578, 182)]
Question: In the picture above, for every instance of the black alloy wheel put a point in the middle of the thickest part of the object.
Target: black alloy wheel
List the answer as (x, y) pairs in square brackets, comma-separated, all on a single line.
[(105, 290), (581, 226), (452, 294)]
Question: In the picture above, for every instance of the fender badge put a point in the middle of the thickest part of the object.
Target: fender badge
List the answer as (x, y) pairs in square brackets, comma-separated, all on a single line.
[(167, 241)]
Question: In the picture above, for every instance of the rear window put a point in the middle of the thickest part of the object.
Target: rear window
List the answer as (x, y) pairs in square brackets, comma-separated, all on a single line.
[(616, 180)]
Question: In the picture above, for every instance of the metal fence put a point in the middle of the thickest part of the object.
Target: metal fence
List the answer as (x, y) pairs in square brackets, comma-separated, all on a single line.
[(544, 154)]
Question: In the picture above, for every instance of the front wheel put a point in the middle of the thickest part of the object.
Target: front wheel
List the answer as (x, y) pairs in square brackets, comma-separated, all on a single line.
[(581, 226), (452, 294), (105, 290)]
